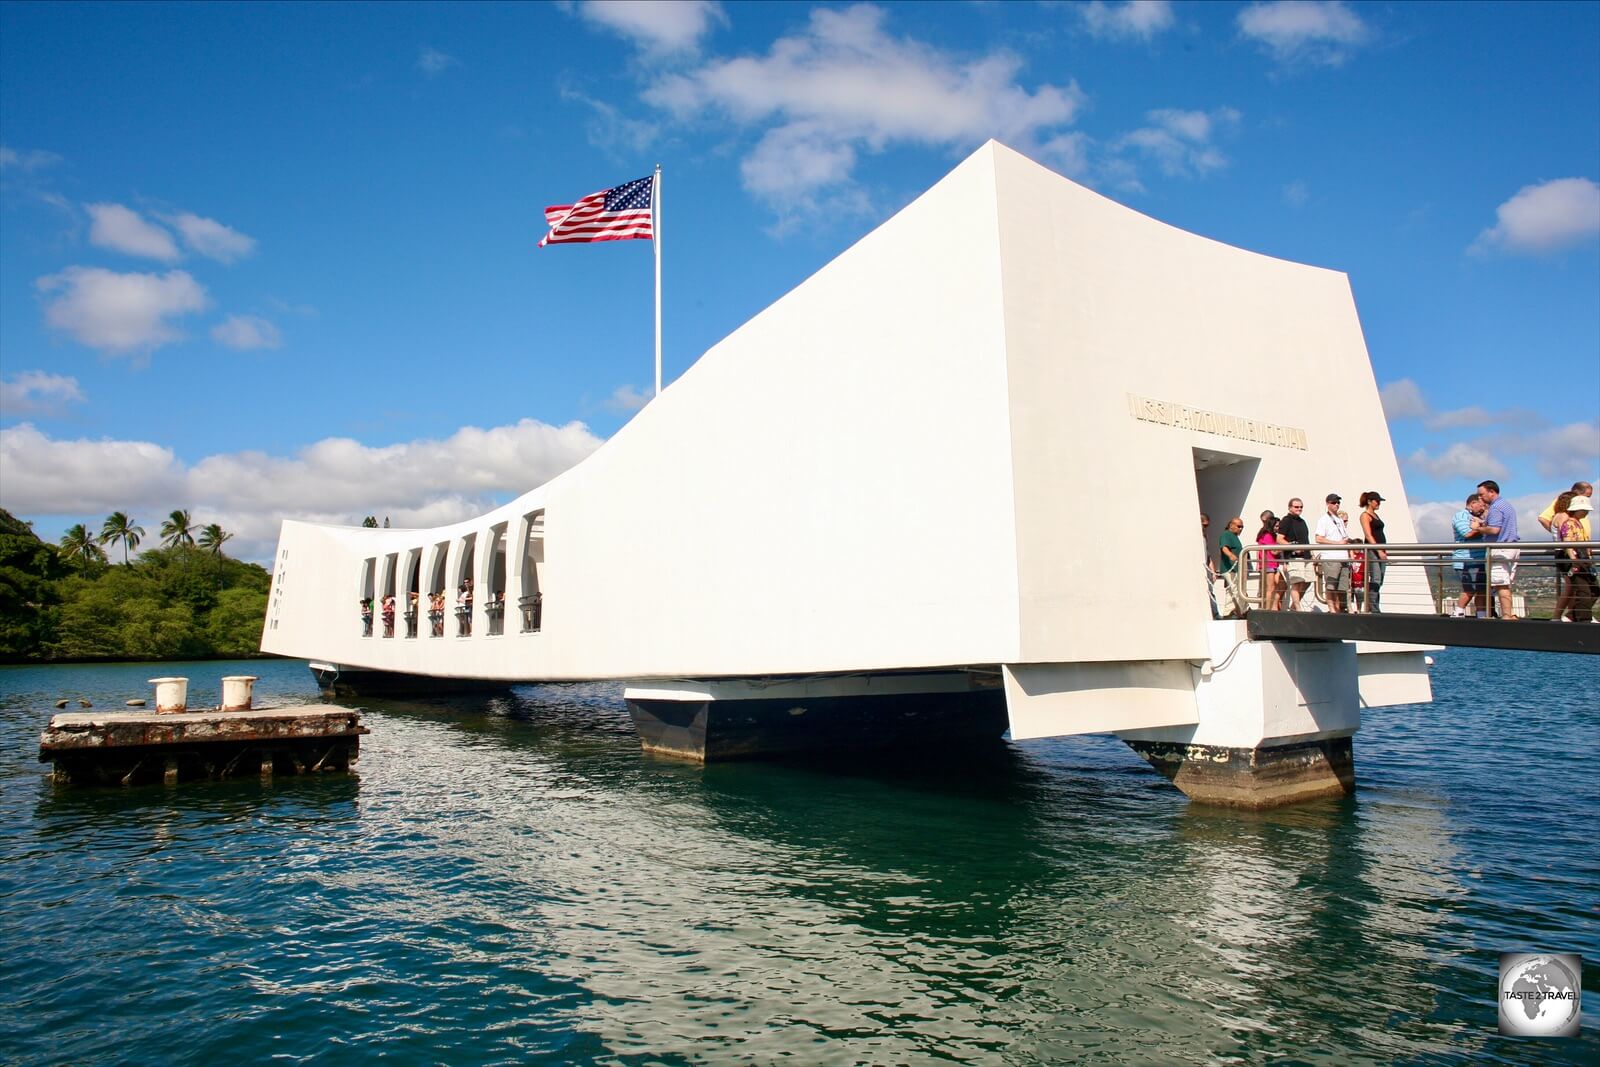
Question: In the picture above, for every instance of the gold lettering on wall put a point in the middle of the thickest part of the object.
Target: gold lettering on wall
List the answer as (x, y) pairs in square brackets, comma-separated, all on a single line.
[(1168, 413)]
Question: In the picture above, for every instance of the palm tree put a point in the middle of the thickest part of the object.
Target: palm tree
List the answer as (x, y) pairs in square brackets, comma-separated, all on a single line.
[(211, 538), (177, 529), (82, 546), (118, 527)]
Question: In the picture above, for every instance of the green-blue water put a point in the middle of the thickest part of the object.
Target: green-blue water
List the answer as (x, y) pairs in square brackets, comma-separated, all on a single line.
[(511, 881)]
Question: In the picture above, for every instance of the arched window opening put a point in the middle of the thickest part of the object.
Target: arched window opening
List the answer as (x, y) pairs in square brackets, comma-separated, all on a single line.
[(464, 590), (436, 587), (494, 596), (530, 598), (413, 589), (368, 566), (386, 604)]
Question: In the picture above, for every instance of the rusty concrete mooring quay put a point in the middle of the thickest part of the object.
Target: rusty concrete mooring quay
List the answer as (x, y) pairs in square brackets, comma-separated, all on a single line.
[(128, 748)]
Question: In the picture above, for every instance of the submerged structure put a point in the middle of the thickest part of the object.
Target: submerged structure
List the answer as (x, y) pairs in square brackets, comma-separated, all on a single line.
[(950, 485)]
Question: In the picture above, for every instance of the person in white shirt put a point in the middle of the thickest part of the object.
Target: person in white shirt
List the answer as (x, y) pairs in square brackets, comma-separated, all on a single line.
[(1334, 563)]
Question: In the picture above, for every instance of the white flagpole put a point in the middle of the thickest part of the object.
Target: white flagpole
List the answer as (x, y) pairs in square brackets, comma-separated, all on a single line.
[(655, 231)]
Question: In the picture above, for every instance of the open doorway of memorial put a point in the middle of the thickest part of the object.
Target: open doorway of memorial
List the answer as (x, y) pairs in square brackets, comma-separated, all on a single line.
[(1222, 481)]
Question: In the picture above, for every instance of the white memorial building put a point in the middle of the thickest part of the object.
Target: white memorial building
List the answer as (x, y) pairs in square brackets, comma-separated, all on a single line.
[(948, 486)]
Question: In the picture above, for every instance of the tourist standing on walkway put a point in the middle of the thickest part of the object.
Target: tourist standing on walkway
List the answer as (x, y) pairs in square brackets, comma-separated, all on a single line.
[(1335, 563), (1232, 549), (1296, 566), (1468, 525), (1547, 517), (1271, 594), (1372, 533), (1580, 590), (1500, 526)]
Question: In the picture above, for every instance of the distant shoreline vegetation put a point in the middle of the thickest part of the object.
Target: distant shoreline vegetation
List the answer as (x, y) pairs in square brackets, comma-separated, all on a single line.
[(183, 600)]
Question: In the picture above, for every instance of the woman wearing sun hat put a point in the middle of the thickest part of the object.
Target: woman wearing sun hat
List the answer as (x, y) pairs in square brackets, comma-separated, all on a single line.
[(1581, 588)]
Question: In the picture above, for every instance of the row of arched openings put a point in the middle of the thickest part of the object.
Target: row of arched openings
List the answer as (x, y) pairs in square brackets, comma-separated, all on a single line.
[(458, 587)]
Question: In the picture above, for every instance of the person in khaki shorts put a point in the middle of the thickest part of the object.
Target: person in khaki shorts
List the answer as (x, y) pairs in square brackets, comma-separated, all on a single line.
[(1331, 530), (1295, 567)]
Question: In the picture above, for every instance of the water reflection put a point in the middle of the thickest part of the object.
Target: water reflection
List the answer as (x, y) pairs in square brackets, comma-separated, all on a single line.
[(511, 879)]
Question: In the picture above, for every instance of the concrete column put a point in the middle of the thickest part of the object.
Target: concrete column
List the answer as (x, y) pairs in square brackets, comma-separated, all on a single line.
[(1276, 722)]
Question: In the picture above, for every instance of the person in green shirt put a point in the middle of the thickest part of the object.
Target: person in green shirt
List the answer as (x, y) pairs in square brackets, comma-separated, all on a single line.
[(1229, 568)]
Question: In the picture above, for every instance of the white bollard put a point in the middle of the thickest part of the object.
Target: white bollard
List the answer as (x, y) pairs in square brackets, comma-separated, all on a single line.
[(237, 692), (172, 694)]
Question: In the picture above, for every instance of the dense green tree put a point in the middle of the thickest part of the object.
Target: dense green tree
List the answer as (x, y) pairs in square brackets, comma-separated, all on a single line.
[(370, 522), (182, 600), (123, 615), (82, 548), (177, 529), (118, 527), (233, 627), (212, 538), (30, 571)]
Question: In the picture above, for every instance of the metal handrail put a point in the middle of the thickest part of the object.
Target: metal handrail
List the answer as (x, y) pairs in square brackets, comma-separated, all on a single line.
[(1536, 560)]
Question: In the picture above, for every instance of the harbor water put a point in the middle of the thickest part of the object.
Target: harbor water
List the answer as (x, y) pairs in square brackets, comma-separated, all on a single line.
[(509, 880)]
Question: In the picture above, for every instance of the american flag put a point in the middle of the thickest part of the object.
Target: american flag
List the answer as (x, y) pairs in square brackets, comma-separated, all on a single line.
[(620, 214)]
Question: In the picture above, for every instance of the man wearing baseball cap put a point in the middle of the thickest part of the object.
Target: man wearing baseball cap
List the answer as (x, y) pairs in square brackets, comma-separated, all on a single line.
[(1334, 564)]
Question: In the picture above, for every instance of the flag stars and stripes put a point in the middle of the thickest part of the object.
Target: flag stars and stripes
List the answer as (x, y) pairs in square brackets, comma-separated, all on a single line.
[(623, 213)]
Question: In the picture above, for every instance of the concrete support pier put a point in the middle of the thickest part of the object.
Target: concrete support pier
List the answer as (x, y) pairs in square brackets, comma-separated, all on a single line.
[(1266, 776), (1276, 722), (746, 718)]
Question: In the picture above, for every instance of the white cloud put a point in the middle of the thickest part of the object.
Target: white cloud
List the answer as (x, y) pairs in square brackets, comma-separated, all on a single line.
[(791, 161), (1314, 32), (28, 160), (660, 26), (433, 62), (1545, 218), (1567, 452), (1460, 460), (1434, 520), (124, 230), (1180, 141), (611, 127), (1296, 194), (246, 331), (1468, 417), (1402, 400), (84, 477), (417, 483), (120, 312), (34, 392), (845, 85), (212, 239), (625, 399), (1136, 18)]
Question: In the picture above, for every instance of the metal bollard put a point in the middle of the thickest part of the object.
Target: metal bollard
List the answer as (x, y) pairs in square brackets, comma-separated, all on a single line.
[(237, 692), (172, 694)]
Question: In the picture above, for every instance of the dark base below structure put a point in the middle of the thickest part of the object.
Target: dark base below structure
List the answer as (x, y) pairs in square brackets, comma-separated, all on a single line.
[(336, 681), (172, 764), (713, 730), (1265, 777)]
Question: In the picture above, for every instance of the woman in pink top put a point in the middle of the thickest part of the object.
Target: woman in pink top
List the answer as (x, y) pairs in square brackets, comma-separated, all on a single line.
[(1272, 583)]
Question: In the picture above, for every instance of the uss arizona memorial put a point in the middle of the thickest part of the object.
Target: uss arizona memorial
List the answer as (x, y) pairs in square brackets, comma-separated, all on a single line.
[(947, 486)]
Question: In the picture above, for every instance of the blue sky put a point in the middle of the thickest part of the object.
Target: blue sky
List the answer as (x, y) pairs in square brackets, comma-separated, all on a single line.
[(264, 260)]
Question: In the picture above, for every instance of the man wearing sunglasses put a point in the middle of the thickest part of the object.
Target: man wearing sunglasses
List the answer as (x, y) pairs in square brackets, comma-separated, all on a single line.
[(1295, 566)]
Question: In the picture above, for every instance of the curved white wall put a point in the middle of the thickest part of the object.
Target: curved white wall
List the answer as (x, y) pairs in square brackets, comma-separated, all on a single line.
[(922, 456)]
